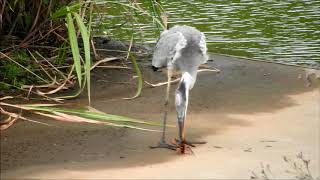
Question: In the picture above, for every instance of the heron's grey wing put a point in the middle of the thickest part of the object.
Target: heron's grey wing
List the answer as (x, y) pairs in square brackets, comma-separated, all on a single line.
[(168, 48), (203, 48)]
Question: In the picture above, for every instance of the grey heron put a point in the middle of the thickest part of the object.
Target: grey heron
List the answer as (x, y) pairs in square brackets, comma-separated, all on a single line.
[(182, 48)]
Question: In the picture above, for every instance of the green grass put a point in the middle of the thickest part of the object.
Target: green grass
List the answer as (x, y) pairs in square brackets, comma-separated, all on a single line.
[(11, 73), (48, 34)]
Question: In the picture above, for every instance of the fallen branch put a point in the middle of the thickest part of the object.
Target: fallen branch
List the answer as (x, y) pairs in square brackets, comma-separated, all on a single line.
[(178, 79), (103, 61), (12, 118), (62, 86), (9, 123), (6, 97)]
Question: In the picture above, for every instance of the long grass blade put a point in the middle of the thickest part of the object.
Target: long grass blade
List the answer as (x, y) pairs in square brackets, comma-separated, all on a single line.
[(133, 127), (86, 45), (90, 19), (81, 115), (74, 46), (81, 119), (90, 115), (65, 10), (75, 119), (155, 12), (139, 74)]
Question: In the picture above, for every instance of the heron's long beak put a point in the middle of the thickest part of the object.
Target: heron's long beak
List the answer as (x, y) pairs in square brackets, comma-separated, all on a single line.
[(182, 94), (181, 129)]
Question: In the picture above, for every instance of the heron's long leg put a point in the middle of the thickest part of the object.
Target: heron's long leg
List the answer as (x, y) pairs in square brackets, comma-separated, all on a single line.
[(162, 143), (166, 105)]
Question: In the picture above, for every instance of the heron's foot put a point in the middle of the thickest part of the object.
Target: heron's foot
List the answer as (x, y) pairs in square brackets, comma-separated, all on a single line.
[(182, 147), (190, 143), (165, 146)]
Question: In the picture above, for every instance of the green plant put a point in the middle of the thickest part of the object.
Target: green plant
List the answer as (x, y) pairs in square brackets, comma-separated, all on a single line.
[(18, 75), (48, 32)]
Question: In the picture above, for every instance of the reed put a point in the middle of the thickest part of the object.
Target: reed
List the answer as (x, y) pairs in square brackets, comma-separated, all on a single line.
[(58, 38)]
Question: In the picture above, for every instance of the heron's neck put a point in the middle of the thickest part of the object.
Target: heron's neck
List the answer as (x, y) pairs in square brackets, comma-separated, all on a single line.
[(182, 95), (188, 80), (185, 84)]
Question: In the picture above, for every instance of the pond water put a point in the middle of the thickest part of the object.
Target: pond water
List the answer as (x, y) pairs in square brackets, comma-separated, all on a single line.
[(282, 31)]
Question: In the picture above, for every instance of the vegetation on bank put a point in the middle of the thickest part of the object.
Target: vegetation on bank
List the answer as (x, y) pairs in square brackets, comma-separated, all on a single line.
[(46, 47)]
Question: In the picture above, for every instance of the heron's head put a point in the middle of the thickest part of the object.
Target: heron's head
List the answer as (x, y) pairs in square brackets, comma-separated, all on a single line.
[(155, 68)]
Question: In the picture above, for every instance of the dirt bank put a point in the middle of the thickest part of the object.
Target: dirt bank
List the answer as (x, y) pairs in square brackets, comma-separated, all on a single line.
[(250, 113)]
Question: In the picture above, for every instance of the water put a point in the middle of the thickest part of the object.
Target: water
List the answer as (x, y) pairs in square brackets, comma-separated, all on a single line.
[(282, 31)]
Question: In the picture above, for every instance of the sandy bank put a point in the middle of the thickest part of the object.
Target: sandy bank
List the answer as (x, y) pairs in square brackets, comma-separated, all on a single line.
[(250, 113)]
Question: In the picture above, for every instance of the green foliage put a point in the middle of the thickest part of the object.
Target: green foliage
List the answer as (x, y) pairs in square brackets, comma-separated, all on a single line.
[(73, 40), (4, 86), (52, 24), (86, 44), (26, 19), (74, 46), (71, 14), (139, 74), (61, 54), (64, 10), (21, 17), (16, 75)]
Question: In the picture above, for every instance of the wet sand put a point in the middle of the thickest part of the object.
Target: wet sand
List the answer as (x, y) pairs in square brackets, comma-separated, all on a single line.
[(251, 113)]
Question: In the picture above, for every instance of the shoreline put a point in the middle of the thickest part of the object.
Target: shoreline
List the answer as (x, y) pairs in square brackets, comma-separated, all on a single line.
[(250, 113)]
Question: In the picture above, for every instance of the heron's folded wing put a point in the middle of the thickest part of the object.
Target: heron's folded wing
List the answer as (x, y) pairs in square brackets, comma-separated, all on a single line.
[(203, 48), (168, 48)]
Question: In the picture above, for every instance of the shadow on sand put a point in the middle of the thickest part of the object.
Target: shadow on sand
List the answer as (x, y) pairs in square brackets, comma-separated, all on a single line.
[(243, 87)]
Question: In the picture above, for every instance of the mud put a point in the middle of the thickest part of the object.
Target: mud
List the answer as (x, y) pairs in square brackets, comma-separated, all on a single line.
[(250, 113)]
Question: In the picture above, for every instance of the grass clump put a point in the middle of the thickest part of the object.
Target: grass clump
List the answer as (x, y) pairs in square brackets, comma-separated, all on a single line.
[(15, 75), (47, 47)]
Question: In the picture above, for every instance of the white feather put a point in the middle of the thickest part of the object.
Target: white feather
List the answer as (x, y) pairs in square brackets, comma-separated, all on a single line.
[(203, 47), (182, 42)]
